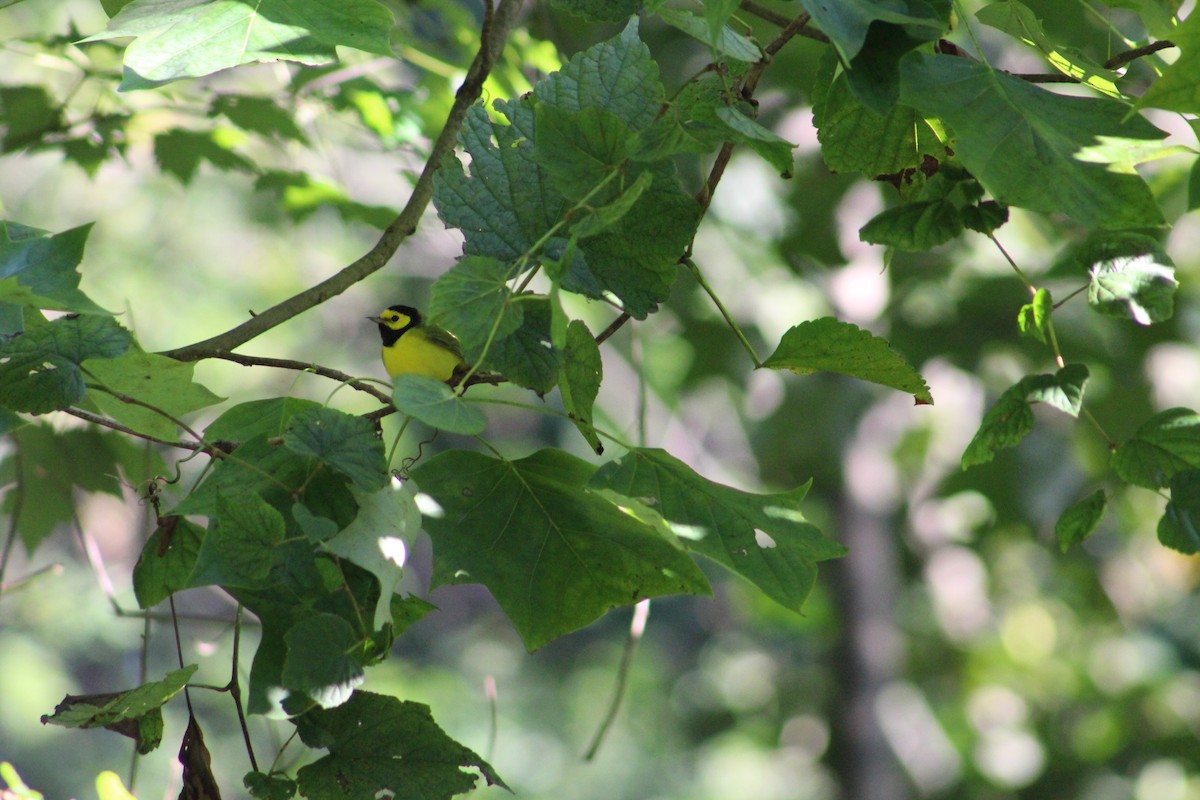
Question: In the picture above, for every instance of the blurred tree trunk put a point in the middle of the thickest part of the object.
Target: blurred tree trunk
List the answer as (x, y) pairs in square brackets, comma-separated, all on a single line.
[(865, 585)]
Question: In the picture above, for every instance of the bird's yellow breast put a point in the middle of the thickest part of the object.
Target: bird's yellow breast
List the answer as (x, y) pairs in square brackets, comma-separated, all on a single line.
[(413, 354)]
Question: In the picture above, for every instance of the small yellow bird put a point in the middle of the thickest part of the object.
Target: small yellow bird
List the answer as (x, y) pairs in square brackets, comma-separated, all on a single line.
[(412, 347)]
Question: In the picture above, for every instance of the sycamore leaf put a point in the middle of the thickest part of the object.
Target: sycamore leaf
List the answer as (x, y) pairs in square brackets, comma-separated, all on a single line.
[(379, 539), (763, 538), (320, 659), (381, 746), (180, 152), (1010, 420), (829, 345), (846, 22), (1166, 444), (1023, 142), (239, 548), (38, 268), (161, 382), (190, 38), (40, 368), (1078, 521), (167, 560), (555, 555), (436, 404), (1019, 21), (345, 442), (257, 417), (856, 138), (1179, 87), (136, 713)]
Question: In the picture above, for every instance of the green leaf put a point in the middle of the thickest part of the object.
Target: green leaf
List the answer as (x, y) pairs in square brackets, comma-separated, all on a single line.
[(1023, 143), (269, 786), (606, 216), (579, 382), (1010, 420), (527, 356), (379, 745), (53, 465), (580, 150), (29, 113), (269, 417), (470, 298), (600, 10), (258, 114), (158, 381), (829, 345), (167, 561), (38, 268), (555, 555), (773, 149), (301, 195), (1078, 521), (1019, 21), (508, 203), (39, 369), (617, 75), (763, 538), (914, 226), (379, 539), (846, 23), (1034, 318), (239, 548), (1179, 87), (347, 443), (320, 660), (1166, 444), (191, 38), (436, 404), (261, 467), (1140, 287), (1193, 197), (856, 138), (136, 713), (1179, 527), (720, 38), (180, 152)]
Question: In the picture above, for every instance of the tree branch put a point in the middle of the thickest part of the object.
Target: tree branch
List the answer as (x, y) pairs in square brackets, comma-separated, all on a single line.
[(300, 366), (775, 18), (496, 25), (96, 419)]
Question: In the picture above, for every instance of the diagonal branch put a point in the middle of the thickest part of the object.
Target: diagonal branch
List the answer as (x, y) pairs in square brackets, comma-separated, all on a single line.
[(496, 25)]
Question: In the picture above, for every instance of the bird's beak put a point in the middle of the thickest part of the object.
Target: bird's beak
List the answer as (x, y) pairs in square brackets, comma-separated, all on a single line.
[(376, 320)]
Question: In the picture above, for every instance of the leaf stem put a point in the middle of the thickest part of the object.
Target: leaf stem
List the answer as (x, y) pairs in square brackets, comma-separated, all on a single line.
[(637, 627), (724, 312)]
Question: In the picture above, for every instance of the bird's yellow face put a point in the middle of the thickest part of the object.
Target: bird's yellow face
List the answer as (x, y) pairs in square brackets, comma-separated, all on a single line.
[(410, 349)]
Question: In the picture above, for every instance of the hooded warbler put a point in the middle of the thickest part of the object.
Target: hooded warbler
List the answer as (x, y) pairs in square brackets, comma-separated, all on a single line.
[(413, 347)]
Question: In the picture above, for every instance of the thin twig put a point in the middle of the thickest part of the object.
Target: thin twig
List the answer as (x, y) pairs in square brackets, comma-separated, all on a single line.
[(301, 366), (494, 33), (637, 626), (116, 426), (1116, 62), (775, 18), (235, 688), (612, 328)]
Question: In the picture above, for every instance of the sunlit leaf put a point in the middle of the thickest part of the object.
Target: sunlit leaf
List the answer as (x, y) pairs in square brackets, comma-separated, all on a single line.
[(829, 345)]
